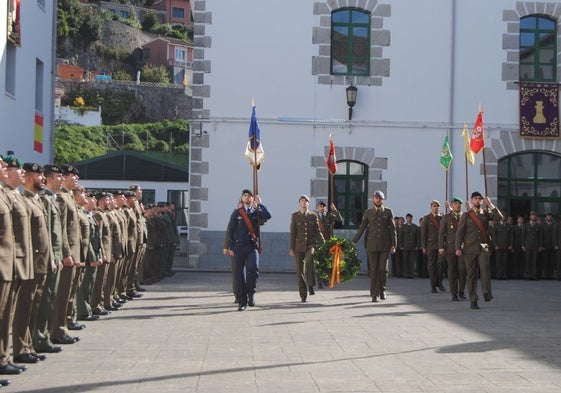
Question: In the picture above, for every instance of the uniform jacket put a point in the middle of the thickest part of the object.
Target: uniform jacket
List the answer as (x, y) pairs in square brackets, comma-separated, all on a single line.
[(70, 225), (469, 236), (117, 244), (84, 233), (305, 231), (517, 236), (379, 224), (532, 236), (100, 217), (40, 238), (21, 235), (52, 210), (502, 235), (429, 232), (447, 233), (7, 254), (327, 221), (95, 251), (549, 235), (410, 238), (238, 232)]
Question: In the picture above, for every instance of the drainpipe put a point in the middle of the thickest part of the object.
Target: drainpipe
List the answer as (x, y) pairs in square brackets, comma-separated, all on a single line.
[(451, 83)]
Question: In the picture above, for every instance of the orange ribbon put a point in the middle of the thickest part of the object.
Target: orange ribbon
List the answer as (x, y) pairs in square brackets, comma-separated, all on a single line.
[(337, 251)]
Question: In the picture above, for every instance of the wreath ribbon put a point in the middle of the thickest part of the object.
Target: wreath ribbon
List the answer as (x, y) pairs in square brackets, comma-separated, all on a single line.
[(337, 251)]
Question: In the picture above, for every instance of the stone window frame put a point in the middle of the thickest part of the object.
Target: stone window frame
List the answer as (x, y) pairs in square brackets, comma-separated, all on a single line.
[(511, 38), (379, 38), (538, 49), (348, 41)]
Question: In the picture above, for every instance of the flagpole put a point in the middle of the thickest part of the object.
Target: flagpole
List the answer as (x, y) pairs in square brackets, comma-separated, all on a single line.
[(466, 168), (446, 193), (484, 171)]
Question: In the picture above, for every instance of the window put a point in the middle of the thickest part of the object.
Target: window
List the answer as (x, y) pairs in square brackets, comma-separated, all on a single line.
[(350, 192), (530, 181), (180, 54), (146, 53), (538, 49), (124, 14), (11, 70), (350, 42), (178, 12), (39, 83), (180, 199)]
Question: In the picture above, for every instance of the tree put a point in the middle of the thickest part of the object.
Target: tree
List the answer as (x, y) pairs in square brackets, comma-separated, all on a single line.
[(149, 21), (154, 73)]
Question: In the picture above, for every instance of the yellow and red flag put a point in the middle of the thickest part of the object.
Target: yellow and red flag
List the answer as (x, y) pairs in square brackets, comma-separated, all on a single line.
[(331, 160)]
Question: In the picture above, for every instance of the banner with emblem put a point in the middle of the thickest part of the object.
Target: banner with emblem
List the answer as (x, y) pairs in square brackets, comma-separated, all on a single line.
[(14, 24), (539, 110)]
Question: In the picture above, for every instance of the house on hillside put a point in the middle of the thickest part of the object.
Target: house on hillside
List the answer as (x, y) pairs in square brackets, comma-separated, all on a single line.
[(420, 70), (174, 12), (172, 52)]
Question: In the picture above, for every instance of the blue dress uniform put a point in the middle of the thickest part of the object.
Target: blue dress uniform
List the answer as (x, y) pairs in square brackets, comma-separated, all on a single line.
[(245, 251)]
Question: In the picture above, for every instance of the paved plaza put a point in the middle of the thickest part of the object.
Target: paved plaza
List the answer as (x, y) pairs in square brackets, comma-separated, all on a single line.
[(186, 335)]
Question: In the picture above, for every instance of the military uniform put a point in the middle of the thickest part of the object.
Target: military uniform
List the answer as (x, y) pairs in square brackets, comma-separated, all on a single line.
[(456, 264), (429, 242), (474, 246), (519, 256), (550, 247), (381, 239), (532, 245), (409, 242), (305, 236), (502, 237)]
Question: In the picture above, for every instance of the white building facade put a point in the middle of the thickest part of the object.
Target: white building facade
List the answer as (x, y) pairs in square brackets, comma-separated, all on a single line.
[(28, 39), (424, 71)]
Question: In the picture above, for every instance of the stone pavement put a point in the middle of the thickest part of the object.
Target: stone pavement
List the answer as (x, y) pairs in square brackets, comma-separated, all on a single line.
[(186, 335)]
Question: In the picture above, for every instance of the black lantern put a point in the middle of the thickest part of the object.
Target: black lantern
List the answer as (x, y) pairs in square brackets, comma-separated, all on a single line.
[(351, 99)]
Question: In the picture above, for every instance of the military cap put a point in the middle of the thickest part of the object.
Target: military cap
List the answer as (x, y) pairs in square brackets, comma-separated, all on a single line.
[(379, 194), (69, 170), (457, 199), (303, 196), (31, 167), (476, 194), (129, 194), (134, 187), (118, 192), (100, 195), (434, 202), (246, 191), (13, 162), (51, 168), (321, 203)]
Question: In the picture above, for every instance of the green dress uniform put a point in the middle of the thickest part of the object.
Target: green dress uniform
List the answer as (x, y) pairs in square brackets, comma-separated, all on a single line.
[(305, 236), (456, 264), (409, 242), (429, 241), (7, 264), (501, 233)]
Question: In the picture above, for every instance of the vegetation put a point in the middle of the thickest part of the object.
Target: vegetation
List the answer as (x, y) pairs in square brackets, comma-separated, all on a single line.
[(76, 143), (154, 73), (77, 25)]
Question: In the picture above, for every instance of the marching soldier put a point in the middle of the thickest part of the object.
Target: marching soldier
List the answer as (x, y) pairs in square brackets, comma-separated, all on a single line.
[(429, 245), (447, 248)]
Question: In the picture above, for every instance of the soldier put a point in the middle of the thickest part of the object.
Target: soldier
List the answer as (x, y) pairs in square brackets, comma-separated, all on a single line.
[(139, 245), (41, 246), (70, 253), (447, 248), (41, 334), (409, 243), (119, 244), (100, 216), (23, 283), (518, 257), (381, 242), (244, 242), (429, 245), (7, 268), (502, 236), (305, 236), (550, 246), (472, 242), (142, 239), (327, 219), (532, 245)]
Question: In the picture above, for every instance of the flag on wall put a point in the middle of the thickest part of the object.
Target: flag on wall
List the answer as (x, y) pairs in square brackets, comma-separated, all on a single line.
[(331, 160), (38, 133), (445, 154), (254, 150), (478, 136), (14, 23), (469, 154)]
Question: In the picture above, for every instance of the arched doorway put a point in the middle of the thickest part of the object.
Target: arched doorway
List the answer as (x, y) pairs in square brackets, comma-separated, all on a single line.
[(529, 180)]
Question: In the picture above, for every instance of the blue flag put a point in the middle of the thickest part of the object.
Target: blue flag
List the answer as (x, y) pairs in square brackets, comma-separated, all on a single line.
[(254, 150)]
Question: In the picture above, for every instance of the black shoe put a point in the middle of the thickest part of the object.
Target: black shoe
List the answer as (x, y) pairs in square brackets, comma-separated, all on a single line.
[(455, 298), (51, 349), (241, 308), (311, 290), (10, 369), (250, 301), (133, 295), (488, 297), (375, 299), (100, 312), (89, 318), (303, 300), (462, 296), (111, 308), (66, 339), (441, 288), (139, 289), (383, 295), (5, 382), (40, 357), (76, 326), (434, 290), (25, 358), (474, 306)]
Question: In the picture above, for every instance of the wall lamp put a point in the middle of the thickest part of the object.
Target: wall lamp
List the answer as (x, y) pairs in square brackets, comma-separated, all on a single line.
[(351, 99)]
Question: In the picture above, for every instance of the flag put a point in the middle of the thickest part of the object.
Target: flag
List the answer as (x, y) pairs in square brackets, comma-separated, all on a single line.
[(331, 160), (478, 136), (38, 133), (445, 154), (254, 150), (469, 154)]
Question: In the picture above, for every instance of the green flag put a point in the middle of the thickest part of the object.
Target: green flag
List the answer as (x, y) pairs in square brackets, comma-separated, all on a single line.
[(445, 154)]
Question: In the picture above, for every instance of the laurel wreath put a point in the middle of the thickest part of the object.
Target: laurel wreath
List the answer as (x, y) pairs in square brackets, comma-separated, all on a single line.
[(323, 259)]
